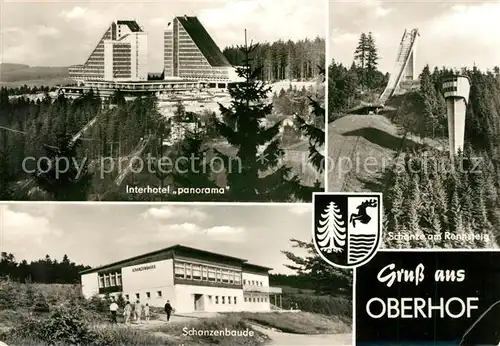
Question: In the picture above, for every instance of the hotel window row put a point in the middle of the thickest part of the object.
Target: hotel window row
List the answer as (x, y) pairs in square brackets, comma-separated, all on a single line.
[(194, 271), (224, 299), (256, 299), (159, 294), (252, 282), (110, 280)]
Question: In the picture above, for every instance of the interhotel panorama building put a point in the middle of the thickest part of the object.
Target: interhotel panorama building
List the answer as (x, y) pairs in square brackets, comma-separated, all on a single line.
[(193, 280)]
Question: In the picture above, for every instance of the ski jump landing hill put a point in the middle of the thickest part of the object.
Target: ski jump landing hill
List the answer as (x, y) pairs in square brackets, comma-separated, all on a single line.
[(404, 69)]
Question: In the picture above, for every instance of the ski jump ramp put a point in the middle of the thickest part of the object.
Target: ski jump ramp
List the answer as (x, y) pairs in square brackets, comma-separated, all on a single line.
[(404, 69)]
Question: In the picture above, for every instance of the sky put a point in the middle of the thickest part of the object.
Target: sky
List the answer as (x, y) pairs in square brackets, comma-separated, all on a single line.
[(452, 33), (97, 234), (63, 33)]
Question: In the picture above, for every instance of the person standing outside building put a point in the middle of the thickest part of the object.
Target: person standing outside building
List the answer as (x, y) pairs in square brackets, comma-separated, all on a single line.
[(127, 311), (146, 312), (113, 308), (168, 310), (138, 311)]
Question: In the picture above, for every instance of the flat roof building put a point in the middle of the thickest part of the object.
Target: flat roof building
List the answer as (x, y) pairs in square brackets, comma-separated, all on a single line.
[(191, 53), (192, 279), (120, 55)]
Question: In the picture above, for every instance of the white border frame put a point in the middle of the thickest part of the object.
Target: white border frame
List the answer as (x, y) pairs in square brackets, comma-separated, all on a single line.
[(405, 250)]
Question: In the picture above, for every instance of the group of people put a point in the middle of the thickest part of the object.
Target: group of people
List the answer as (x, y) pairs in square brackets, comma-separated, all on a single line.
[(135, 311)]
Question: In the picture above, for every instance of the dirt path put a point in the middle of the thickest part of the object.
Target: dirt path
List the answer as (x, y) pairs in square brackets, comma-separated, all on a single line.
[(288, 339)]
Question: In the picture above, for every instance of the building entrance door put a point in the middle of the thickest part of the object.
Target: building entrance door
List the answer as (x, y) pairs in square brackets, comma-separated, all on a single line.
[(199, 302)]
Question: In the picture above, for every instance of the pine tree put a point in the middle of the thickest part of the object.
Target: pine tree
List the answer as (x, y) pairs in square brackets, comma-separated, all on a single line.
[(361, 52), (65, 183), (316, 135), (325, 278), (260, 176), (413, 207), (6, 176), (371, 61), (194, 170), (394, 214), (456, 224)]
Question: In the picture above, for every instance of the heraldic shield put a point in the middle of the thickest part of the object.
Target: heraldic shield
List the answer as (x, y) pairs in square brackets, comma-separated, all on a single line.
[(347, 227)]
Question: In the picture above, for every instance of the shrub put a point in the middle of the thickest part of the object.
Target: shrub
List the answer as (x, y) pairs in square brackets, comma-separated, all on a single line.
[(63, 326), (325, 305), (41, 305), (98, 304)]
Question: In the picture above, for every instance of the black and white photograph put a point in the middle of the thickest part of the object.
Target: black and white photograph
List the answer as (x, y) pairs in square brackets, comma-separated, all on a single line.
[(413, 112), (220, 101), (155, 274), (436, 297)]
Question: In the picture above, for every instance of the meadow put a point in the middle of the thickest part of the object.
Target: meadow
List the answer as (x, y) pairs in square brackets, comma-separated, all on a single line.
[(50, 314)]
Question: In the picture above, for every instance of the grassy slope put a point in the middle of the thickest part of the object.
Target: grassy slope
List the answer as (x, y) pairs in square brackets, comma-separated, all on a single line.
[(361, 146), (299, 322), (19, 302)]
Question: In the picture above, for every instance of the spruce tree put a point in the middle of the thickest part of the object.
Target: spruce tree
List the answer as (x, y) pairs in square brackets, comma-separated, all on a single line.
[(456, 224), (413, 206), (326, 278), (360, 54), (6, 176), (394, 213), (260, 175), (194, 170), (67, 184), (316, 136), (371, 61)]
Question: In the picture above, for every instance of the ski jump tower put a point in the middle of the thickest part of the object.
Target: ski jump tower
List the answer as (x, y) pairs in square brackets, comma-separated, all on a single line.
[(456, 93), (404, 69)]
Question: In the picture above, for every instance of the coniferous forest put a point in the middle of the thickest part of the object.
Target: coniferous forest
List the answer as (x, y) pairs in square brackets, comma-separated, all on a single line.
[(431, 200), (35, 135), (301, 60), (445, 198), (46, 271)]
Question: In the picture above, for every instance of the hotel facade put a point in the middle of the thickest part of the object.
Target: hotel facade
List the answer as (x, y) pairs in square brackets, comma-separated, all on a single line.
[(193, 280), (190, 53), (120, 55)]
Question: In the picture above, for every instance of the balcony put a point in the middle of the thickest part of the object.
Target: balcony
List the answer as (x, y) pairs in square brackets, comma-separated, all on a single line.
[(262, 289)]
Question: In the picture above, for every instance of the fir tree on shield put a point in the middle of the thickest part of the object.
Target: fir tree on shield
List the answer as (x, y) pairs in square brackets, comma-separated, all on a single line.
[(332, 232)]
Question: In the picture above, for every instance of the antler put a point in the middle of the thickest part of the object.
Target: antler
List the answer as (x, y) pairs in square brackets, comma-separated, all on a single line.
[(370, 203)]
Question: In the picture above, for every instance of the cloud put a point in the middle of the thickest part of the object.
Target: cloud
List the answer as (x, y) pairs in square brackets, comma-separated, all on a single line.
[(476, 22), (226, 233), (224, 230), (158, 21), (174, 212), (189, 231), (183, 227), (43, 30), (11, 30), (265, 20), (382, 12), (20, 226), (339, 38), (300, 209), (76, 12)]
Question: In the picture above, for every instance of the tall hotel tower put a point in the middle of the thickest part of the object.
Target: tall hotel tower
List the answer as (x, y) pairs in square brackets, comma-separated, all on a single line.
[(120, 55), (191, 54)]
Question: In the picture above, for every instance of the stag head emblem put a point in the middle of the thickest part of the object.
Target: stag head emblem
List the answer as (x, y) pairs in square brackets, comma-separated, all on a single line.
[(362, 215)]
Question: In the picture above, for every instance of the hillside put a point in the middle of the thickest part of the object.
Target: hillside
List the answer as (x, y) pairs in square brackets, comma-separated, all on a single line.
[(403, 153), (15, 75), (37, 314), (16, 72), (6, 67), (361, 147)]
